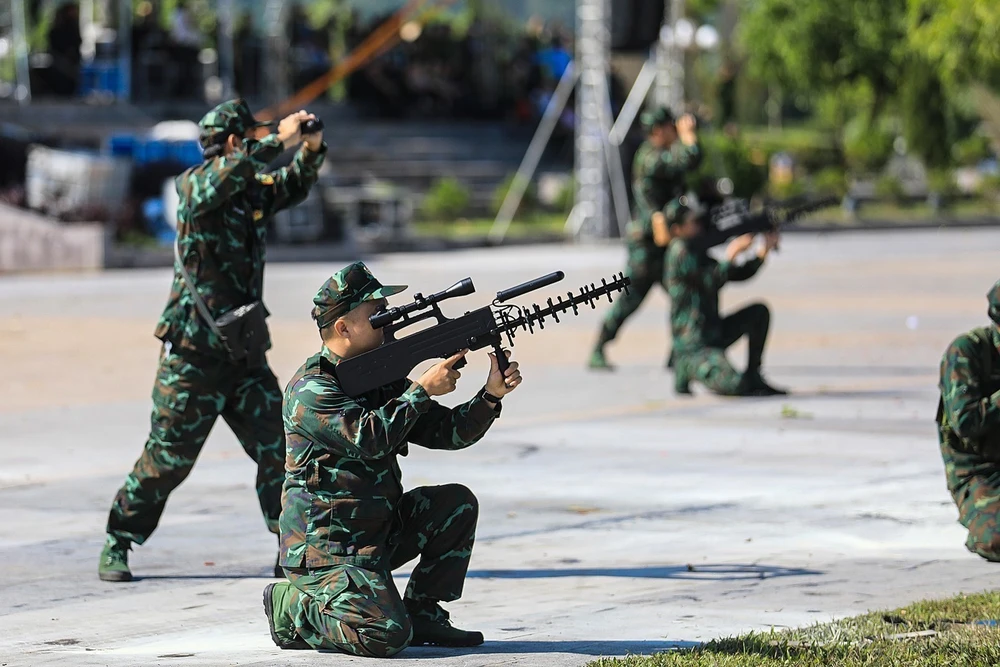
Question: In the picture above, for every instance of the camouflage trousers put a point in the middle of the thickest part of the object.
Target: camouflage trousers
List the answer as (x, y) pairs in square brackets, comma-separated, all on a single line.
[(359, 611), (645, 267), (709, 364), (979, 511), (191, 390)]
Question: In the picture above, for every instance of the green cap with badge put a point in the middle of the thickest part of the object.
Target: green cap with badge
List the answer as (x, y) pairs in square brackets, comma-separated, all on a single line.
[(993, 297), (658, 116), (347, 289), (232, 117)]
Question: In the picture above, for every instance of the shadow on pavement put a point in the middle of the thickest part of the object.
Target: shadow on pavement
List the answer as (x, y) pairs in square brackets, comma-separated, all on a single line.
[(721, 572)]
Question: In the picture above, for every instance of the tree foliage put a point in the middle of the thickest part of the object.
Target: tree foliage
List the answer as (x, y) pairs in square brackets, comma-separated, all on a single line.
[(814, 46), (960, 38)]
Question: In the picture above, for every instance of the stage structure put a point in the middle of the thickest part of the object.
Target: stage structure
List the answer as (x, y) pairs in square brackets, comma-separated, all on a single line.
[(598, 171)]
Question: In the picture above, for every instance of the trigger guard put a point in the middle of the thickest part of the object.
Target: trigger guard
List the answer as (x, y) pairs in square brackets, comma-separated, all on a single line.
[(459, 364)]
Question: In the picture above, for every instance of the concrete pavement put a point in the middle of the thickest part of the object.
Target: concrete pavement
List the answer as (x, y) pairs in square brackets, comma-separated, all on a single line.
[(616, 517)]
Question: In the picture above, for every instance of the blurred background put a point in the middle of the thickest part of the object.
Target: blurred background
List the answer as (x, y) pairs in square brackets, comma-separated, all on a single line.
[(454, 129)]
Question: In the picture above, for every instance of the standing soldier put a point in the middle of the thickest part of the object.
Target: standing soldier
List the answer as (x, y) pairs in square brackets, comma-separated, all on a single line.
[(345, 521), (213, 329), (700, 335), (658, 172), (968, 418)]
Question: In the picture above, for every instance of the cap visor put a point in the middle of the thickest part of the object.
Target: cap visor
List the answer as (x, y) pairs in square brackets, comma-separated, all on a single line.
[(388, 290)]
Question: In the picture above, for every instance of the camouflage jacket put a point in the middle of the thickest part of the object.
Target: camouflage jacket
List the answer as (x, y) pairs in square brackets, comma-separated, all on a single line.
[(693, 283), (222, 201), (968, 414), (342, 478), (658, 177)]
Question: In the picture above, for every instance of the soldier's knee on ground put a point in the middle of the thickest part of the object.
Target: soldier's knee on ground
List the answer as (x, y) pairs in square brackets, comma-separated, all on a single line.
[(384, 640), (987, 547)]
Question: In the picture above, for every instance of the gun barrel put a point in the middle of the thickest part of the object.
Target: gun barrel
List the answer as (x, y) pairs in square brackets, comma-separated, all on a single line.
[(530, 286)]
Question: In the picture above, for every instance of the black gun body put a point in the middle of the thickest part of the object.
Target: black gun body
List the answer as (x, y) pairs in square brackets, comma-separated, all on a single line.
[(755, 223), (393, 360)]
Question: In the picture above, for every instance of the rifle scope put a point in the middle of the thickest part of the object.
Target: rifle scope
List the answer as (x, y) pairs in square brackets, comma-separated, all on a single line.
[(530, 286), (461, 288)]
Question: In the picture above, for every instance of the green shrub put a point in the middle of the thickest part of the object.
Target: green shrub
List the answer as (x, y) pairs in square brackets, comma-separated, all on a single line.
[(989, 190), (733, 157), (446, 199), (830, 182), (528, 200), (567, 197), (867, 147), (811, 149), (942, 182), (971, 150), (782, 191), (889, 187)]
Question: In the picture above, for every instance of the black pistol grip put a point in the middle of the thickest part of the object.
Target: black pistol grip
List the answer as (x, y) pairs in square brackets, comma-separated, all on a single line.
[(311, 126), (502, 362), (460, 363)]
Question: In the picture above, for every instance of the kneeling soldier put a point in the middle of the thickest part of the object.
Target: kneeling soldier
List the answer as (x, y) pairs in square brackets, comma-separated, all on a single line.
[(968, 418), (700, 334), (345, 521)]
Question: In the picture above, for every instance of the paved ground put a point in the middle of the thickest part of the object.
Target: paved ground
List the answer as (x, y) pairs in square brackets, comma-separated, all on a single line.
[(615, 518)]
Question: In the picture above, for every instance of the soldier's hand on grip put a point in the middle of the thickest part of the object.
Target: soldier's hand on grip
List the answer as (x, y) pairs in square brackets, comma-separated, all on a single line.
[(288, 128), (500, 385), (686, 129), (441, 378), (738, 245), (313, 140)]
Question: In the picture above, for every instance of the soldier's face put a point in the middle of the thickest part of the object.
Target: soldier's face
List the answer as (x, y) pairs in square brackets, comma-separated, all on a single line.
[(257, 133), (364, 337), (691, 227), (662, 136)]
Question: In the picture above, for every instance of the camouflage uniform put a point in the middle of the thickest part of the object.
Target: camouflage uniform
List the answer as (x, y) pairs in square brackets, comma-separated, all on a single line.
[(700, 335), (223, 201), (968, 418), (345, 520), (658, 177)]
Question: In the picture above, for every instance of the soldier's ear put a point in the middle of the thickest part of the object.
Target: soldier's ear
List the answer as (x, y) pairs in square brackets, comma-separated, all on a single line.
[(340, 327)]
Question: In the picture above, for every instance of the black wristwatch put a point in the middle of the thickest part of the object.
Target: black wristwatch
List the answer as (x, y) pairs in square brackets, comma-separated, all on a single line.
[(487, 396)]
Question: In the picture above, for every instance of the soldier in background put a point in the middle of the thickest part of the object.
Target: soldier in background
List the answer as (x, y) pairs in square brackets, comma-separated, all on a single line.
[(658, 175), (225, 203), (968, 418), (342, 465), (700, 335)]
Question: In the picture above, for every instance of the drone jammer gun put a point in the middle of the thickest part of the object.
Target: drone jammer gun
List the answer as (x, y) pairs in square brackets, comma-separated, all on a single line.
[(735, 219), (484, 327)]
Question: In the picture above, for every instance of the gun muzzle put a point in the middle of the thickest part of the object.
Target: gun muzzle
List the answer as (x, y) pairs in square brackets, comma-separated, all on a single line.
[(530, 286)]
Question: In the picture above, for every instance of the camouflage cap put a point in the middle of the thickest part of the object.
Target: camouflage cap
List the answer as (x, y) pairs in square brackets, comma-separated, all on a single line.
[(658, 116), (676, 210), (346, 290), (232, 117), (993, 297)]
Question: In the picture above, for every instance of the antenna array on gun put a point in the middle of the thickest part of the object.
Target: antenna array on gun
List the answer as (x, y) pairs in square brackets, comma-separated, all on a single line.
[(527, 317)]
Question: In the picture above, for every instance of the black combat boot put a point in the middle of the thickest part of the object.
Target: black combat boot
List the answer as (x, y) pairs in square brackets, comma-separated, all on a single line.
[(431, 627)]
